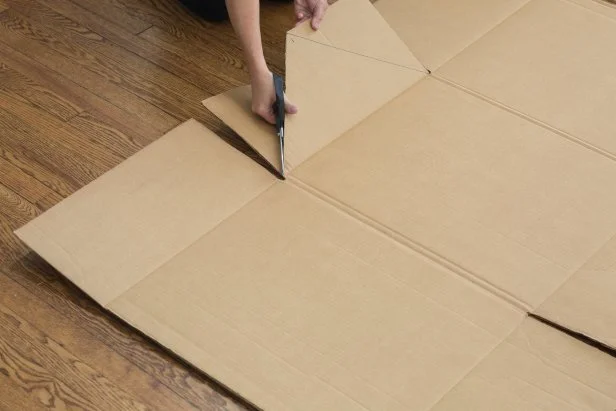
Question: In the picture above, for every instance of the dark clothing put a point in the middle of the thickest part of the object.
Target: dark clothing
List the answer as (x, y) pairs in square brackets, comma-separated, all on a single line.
[(210, 10)]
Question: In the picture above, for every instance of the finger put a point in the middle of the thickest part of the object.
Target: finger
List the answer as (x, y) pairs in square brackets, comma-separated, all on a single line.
[(289, 107), (298, 22), (266, 114), (319, 12)]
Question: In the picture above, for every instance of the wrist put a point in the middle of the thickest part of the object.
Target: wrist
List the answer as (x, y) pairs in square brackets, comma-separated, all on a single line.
[(257, 68)]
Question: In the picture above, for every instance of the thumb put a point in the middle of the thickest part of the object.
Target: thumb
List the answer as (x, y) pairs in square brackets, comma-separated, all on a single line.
[(318, 14), (289, 107)]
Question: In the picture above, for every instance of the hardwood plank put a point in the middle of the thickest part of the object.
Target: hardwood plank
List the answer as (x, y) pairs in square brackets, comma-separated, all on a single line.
[(27, 162), (211, 79), (107, 11), (19, 34), (126, 125), (21, 183), (73, 338), (11, 249), (16, 208), (116, 64), (48, 201), (14, 397), (15, 211), (24, 133), (230, 69), (34, 360), (49, 286), (67, 138), (29, 91)]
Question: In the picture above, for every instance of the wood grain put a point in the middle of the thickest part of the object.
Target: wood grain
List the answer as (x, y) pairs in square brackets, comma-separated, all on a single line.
[(13, 397), (29, 132), (34, 361), (127, 126), (114, 64), (35, 168), (83, 85), (179, 63), (49, 286), (63, 58), (11, 249), (28, 91), (21, 183), (82, 344)]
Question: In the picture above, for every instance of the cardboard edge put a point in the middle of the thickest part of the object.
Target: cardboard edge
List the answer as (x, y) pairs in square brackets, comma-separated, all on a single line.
[(578, 335)]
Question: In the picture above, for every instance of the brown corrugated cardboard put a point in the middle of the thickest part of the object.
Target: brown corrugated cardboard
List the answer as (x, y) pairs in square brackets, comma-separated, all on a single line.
[(459, 176), (554, 61), (323, 87), (437, 30), (537, 369), (111, 234), (585, 303), (394, 267)]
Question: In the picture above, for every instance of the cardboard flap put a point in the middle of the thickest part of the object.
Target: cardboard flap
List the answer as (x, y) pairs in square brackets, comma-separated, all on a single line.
[(112, 233), (437, 30), (509, 202), (365, 33), (296, 306), (234, 108), (534, 64), (537, 369), (335, 86), (334, 90), (586, 304)]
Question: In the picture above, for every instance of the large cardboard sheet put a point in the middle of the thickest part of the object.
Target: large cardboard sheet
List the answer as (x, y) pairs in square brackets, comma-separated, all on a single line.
[(394, 268)]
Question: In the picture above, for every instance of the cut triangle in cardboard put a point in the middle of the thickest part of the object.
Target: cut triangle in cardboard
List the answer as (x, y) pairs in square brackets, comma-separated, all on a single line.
[(395, 267), (366, 34), (323, 90)]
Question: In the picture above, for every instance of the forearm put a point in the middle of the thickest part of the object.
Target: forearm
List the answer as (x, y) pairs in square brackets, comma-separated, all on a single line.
[(244, 15)]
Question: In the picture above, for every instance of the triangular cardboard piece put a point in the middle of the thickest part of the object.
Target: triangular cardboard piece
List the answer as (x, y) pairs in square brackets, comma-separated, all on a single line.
[(367, 33), (437, 30), (331, 99), (345, 97), (234, 108)]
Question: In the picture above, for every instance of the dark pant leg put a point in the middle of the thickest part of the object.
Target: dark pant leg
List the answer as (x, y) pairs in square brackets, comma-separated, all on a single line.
[(211, 10)]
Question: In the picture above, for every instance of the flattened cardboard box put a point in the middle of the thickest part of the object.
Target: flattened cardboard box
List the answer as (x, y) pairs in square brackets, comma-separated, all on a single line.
[(423, 217)]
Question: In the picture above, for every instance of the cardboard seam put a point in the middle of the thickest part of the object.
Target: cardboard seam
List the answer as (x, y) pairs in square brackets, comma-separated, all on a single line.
[(225, 320), (527, 117), (549, 363), (231, 214), (238, 367), (599, 3), (165, 347), (471, 369), (414, 246), (425, 71), (578, 268), (406, 285), (482, 36)]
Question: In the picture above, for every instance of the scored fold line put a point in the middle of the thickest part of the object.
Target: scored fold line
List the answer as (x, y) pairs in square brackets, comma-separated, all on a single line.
[(425, 70)]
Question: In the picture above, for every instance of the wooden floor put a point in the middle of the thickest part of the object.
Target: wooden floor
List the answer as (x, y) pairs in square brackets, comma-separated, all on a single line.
[(83, 85)]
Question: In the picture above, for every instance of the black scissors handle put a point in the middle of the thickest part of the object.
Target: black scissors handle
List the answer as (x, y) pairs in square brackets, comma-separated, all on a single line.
[(279, 112)]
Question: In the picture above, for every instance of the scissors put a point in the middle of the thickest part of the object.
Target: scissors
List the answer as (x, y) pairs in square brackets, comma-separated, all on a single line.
[(279, 112)]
